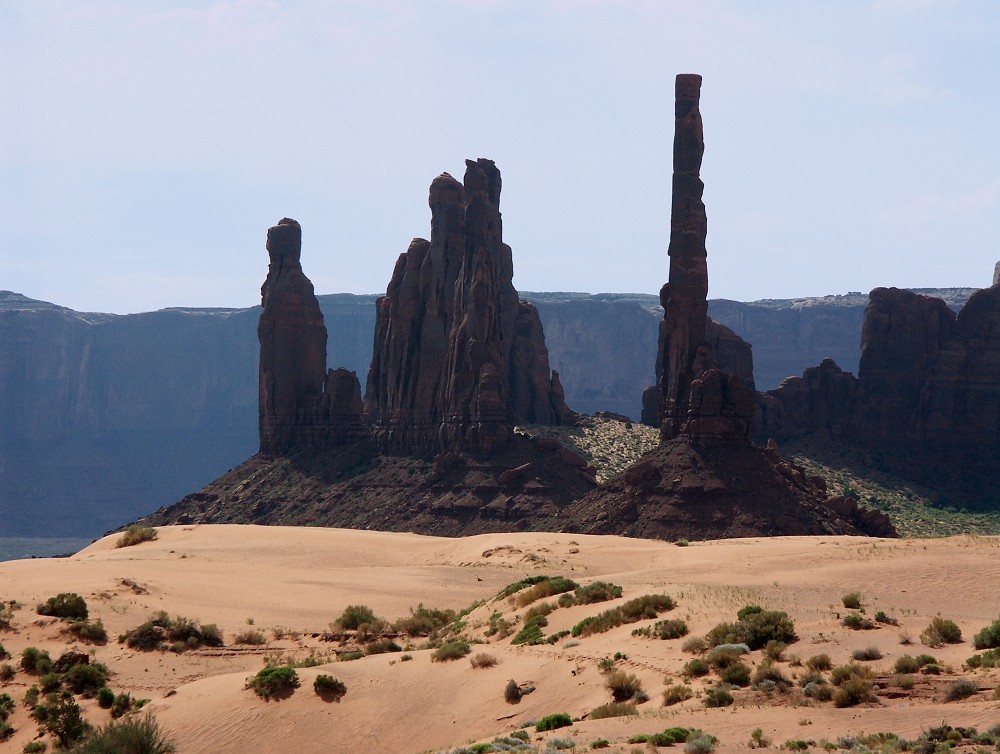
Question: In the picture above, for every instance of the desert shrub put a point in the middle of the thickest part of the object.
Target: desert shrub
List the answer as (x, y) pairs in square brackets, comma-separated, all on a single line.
[(736, 674), (960, 689), (696, 668), (551, 722), (483, 660), (623, 686), (252, 637), (903, 681), (747, 610), (328, 687), (7, 672), (668, 737), (775, 650), (122, 704), (31, 697), (988, 659), (858, 622), (85, 679), (425, 620), (36, 661), (795, 744), (89, 632), (68, 605), (906, 664), (694, 644), (852, 600), (700, 743), (600, 743), (382, 646), (717, 696), (63, 720), (49, 682), (670, 629), (819, 662), (355, 616), (4, 654), (512, 692), (989, 637), (646, 606), (135, 534), (852, 691), (867, 654), (498, 625), (598, 591), (350, 656), (134, 735), (276, 681), (613, 709), (676, 694), (882, 617), (452, 650), (560, 744), (843, 673), (542, 608), (768, 675), (6, 730), (178, 633), (531, 631), (941, 631), (755, 629), (517, 586), (548, 587), (105, 697), (6, 706), (35, 747)]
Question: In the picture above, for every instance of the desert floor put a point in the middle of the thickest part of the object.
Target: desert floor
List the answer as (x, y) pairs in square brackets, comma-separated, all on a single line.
[(293, 583)]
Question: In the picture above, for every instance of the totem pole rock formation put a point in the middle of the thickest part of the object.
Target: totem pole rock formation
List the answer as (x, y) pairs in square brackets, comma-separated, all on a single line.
[(301, 405), (458, 359)]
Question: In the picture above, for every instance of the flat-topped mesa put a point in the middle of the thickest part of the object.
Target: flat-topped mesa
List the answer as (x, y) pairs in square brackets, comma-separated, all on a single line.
[(301, 405), (458, 360)]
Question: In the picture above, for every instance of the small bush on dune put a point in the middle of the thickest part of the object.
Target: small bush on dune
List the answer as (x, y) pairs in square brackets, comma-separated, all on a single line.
[(517, 586), (136, 534), (85, 679), (989, 637), (696, 668), (941, 631), (136, 735), (274, 681), (819, 662), (670, 629), (355, 616), (736, 674), (68, 605), (382, 646), (452, 650), (328, 687), (853, 691), (858, 622), (852, 600), (717, 696), (694, 645), (552, 722), (250, 637), (623, 686), (676, 694), (867, 654), (424, 621), (531, 631), (988, 659), (755, 629), (512, 692), (647, 606), (598, 591), (769, 675), (105, 697), (89, 632), (842, 673), (36, 661), (483, 660), (549, 587), (179, 633), (613, 709), (960, 689), (7, 672)]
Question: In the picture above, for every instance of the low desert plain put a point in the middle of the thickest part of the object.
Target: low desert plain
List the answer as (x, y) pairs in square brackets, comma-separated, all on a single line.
[(292, 583)]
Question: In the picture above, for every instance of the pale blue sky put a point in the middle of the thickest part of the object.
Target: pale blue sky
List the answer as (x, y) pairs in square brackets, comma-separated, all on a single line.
[(147, 146)]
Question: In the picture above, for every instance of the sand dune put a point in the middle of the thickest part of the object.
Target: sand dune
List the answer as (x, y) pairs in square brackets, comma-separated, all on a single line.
[(300, 579)]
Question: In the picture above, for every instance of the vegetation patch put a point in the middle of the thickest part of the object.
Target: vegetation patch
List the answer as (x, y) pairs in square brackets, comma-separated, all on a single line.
[(177, 634), (598, 591), (136, 534), (941, 631), (613, 709), (134, 734), (546, 588), (554, 721), (989, 637), (275, 681), (755, 628), (452, 650), (68, 606), (329, 688), (647, 606)]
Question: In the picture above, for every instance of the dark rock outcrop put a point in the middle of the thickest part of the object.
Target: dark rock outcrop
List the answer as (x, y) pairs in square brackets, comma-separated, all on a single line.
[(821, 399), (458, 359)]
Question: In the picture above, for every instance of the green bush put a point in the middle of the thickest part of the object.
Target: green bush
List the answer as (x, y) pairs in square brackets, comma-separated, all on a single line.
[(843, 673), (700, 743), (531, 631), (769, 675), (276, 681), (6, 706), (717, 696), (989, 637), (328, 687), (424, 621), (85, 679), (696, 668), (819, 662), (49, 682), (988, 659), (736, 674), (676, 694), (647, 606), (551, 722), (105, 697), (7, 672), (852, 691), (355, 616), (858, 622), (598, 591), (906, 664), (960, 689), (121, 705), (517, 586), (623, 686), (135, 735), (852, 600), (135, 534), (882, 617), (867, 654), (941, 631), (35, 747), (755, 629), (613, 709), (670, 629), (178, 633), (63, 720), (68, 605), (36, 661), (483, 660), (4, 654), (84, 630), (452, 650), (546, 588), (250, 637)]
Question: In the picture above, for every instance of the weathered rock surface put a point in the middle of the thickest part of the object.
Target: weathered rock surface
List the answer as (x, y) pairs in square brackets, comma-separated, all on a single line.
[(459, 360), (821, 399)]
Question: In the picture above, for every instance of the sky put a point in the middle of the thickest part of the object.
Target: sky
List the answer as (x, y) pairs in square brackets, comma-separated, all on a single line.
[(146, 146)]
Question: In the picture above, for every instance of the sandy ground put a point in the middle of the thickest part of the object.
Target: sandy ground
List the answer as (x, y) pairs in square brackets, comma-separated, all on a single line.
[(298, 580)]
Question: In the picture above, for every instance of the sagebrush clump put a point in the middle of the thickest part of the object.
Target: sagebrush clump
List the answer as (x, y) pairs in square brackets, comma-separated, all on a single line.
[(274, 681)]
